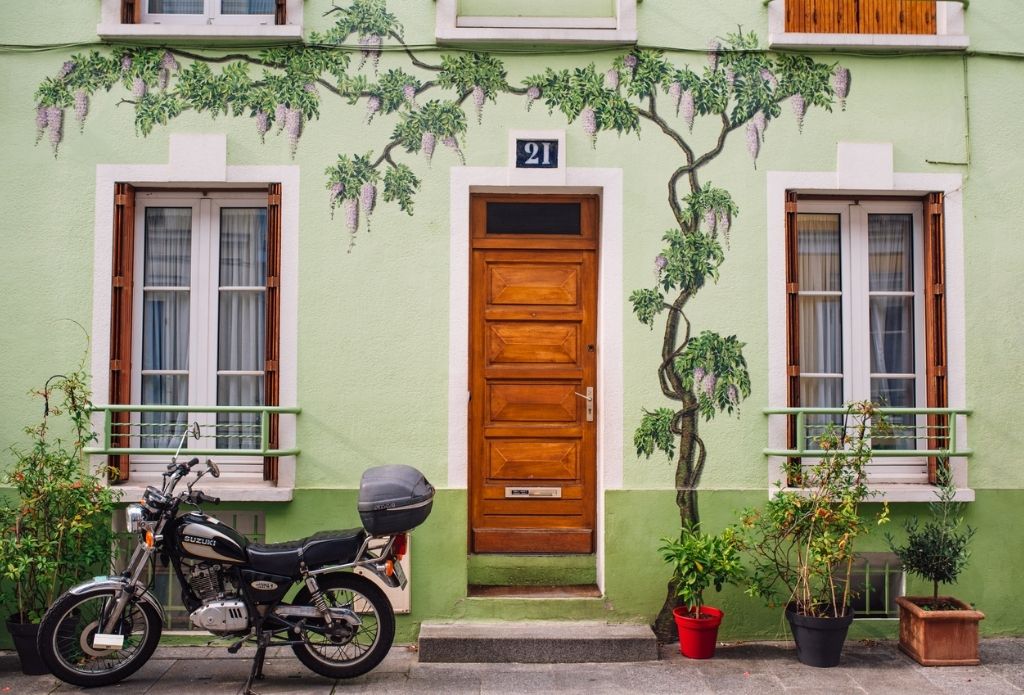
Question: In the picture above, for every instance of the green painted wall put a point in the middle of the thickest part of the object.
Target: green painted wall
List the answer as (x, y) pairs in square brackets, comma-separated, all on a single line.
[(373, 324)]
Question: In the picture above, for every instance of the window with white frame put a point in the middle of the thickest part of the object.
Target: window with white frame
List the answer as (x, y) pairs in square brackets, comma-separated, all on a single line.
[(200, 299), (208, 11), (881, 24), (861, 318), (271, 20), (578, 21)]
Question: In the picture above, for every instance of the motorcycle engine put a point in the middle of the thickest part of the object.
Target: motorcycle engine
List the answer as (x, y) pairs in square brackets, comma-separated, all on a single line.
[(222, 612)]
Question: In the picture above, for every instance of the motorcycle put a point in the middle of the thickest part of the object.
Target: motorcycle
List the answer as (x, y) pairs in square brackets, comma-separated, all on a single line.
[(339, 624)]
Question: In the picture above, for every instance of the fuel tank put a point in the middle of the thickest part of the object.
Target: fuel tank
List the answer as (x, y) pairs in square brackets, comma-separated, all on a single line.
[(202, 537)]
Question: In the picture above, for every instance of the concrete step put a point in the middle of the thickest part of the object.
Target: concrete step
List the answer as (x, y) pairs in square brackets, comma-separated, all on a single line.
[(535, 642)]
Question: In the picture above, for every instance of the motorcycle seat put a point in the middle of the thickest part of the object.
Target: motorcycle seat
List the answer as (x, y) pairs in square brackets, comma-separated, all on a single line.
[(323, 548)]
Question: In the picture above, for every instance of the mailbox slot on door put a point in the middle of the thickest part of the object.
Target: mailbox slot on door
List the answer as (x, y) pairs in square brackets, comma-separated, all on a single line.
[(520, 492)]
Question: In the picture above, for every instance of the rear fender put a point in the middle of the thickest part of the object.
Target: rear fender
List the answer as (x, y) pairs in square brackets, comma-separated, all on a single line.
[(120, 584)]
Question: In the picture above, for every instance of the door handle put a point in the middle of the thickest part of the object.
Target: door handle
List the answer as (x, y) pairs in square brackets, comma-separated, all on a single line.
[(589, 398)]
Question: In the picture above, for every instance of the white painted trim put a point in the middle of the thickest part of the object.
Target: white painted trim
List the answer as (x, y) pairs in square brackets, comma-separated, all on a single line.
[(608, 184), (621, 29), (173, 175), (828, 182), (949, 20), (231, 28)]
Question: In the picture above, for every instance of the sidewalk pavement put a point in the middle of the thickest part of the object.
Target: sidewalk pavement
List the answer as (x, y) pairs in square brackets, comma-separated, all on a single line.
[(755, 667)]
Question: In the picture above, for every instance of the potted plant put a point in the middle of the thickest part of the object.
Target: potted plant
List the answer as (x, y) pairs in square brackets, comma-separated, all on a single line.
[(698, 561), (938, 630), (57, 530), (801, 543)]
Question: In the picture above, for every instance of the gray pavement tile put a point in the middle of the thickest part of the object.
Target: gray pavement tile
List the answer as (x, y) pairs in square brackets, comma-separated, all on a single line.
[(504, 682), (905, 681), (1002, 651), (640, 677), (966, 679), (797, 676), (182, 652), (207, 676)]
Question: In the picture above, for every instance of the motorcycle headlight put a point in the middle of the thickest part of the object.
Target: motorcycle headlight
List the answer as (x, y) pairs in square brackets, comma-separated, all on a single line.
[(134, 516)]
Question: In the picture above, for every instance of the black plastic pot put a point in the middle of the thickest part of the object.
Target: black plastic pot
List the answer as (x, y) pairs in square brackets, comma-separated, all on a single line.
[(819, 641), (24, 636)]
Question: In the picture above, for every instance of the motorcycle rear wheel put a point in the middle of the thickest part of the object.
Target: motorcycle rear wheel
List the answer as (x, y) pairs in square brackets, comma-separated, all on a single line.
[(66, 638), (347, 653)]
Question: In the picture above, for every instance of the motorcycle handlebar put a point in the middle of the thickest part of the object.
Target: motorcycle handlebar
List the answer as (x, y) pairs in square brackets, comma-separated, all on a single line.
[(201, 497)]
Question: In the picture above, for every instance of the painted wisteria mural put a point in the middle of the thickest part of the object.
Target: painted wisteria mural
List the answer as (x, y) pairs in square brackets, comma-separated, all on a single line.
[(740, 89)]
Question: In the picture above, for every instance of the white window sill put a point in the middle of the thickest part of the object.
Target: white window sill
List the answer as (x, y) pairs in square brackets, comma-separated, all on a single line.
[(900, 492), (234, 491), (260, 32), (880, 42)]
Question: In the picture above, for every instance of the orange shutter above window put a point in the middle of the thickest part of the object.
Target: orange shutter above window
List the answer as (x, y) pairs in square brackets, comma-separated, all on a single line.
[(935, 320), (272, 349), (861, 16), (121, 289)]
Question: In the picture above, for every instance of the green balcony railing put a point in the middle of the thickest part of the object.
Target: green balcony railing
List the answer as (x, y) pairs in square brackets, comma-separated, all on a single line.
[(912, 431), (246, 433)]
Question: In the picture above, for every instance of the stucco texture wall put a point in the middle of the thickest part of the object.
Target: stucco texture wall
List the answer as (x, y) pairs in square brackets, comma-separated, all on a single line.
[(373, 323)]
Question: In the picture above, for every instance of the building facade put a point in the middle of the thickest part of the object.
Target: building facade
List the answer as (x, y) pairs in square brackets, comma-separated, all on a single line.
[(590, 268)]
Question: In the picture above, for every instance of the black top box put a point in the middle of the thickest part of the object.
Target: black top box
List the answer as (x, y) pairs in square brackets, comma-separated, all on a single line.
[(394, 499)]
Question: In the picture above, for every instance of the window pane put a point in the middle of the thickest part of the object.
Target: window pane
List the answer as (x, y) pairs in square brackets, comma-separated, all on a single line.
[(176, 6), (168, 247), (533, 218), (821, 335), (247, 7), (239, 430), (818, 249), (243, 247), (163, 430), (165, 329), (241, 332), (890, 253), (820, 392), (896, 393), (892, 335)]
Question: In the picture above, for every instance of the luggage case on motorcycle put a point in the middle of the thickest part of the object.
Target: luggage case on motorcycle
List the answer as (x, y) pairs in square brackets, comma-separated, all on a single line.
[(393, 499)]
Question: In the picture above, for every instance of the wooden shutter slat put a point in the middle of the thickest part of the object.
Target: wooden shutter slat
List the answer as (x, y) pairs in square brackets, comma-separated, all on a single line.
[(792, 318), (281, 12), (122, 266), (935, 320), (272, 348), (861, 16)]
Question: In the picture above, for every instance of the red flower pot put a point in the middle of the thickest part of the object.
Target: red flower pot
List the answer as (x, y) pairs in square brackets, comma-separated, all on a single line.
[(697, 636)]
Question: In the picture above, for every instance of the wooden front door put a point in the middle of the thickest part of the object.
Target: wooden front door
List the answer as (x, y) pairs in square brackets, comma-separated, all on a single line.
[(533, 328)]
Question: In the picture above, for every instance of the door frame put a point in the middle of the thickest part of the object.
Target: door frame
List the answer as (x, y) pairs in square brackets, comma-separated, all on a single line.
[(607, 184)]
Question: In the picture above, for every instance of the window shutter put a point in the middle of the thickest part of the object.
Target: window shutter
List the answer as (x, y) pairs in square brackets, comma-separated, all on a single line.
[(861, 16), (131, 11), (272, 349), (281, 12), (935, 319), (792, 319), (121, 289)]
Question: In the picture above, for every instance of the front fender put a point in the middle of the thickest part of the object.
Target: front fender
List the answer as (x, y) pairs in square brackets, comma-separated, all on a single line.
[(119, 584)]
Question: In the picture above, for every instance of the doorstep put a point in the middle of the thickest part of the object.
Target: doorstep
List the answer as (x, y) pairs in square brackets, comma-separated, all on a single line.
[(535, 642)]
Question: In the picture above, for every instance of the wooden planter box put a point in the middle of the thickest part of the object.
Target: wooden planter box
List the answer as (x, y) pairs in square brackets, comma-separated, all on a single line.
[(939, 638)]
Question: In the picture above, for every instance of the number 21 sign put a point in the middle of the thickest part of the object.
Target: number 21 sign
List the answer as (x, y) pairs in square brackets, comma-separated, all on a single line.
[(536, 154)]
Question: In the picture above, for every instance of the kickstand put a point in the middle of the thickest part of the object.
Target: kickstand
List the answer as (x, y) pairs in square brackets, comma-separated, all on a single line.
[(262, 640)]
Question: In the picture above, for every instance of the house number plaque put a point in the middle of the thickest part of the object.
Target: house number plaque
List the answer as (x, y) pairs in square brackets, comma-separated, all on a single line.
[(536, 154)]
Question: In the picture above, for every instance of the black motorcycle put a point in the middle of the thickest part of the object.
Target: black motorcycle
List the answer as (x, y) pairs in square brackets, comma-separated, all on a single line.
[(338, 623)]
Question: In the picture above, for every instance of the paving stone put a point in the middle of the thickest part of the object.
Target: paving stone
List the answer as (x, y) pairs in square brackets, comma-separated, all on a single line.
[(966, 679), (905, 681)]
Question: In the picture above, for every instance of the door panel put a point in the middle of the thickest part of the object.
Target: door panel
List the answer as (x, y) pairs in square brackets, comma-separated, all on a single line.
[(533, 325)]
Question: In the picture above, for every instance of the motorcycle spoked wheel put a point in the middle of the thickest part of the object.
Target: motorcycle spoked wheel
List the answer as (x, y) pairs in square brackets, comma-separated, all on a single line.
[(66, 639), (348, 651)]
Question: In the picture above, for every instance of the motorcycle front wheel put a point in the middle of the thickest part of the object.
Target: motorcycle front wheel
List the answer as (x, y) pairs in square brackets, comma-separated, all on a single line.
[(347, 650), (68, 629)]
